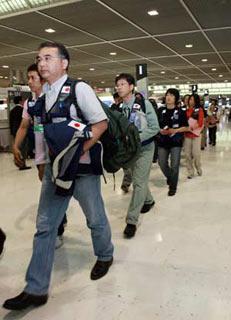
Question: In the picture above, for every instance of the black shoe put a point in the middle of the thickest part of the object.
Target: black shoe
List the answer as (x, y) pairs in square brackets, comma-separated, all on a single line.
[(100, 269), (2, 240), (24, 300), (130, 230), (189, 177), (24, 168), (171, 192), (125, 188), (147, 207)]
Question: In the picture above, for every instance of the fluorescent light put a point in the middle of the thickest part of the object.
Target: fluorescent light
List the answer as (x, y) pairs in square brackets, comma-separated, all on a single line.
[(214, 69), (188, 46), (220, 75), (80, 78), (113, 53), (153, 13), (49, 30), (5, 77), (204, 60), (92, 69), (188, 82), (1, 77), (226, 81), (162, 72), (176, 78), (5, 67), (102, 82)]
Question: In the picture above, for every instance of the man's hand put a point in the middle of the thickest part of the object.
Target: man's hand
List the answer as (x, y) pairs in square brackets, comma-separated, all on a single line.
[(18, 159)]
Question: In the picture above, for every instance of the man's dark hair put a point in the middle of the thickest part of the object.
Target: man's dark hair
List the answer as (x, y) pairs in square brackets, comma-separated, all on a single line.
[(34, 67), (115, 95), (175, 93), (126, 76), (17, 99), (63, 53), (196, 99)]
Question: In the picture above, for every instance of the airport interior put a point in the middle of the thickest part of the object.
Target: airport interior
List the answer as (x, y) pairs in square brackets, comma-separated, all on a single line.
[(176, 265)]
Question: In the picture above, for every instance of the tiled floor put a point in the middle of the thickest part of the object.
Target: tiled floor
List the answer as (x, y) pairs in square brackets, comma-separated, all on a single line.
[(176, 268)]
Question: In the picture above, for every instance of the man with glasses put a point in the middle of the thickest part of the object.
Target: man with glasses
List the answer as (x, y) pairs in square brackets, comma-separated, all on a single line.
[(53, 60)]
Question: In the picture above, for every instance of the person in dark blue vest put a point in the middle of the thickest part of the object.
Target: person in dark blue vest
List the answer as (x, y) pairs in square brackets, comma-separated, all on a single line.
[(53, 61), (173, 123)]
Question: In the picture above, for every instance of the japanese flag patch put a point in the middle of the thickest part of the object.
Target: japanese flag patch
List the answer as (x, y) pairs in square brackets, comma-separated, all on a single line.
[(76, 125), (66, 89)]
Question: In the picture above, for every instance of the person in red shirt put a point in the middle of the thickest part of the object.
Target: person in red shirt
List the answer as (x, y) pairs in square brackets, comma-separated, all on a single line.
[(192, 145)]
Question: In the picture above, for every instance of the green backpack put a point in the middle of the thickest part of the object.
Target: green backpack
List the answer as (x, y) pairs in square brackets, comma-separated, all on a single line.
[(121, 142)]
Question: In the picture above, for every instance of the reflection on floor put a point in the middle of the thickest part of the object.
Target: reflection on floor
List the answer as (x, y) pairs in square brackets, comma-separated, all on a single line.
[(177, 266)]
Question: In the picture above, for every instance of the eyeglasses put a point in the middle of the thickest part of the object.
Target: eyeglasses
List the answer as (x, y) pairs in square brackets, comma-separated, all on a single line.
[(47, 58)]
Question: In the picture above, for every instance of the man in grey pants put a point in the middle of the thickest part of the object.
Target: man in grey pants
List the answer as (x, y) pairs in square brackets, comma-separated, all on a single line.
[(147, 123)]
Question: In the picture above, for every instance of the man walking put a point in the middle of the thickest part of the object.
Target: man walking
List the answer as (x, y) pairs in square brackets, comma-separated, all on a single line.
[(53, 60)]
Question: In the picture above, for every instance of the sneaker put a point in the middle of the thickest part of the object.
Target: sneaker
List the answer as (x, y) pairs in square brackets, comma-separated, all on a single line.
[(59, 242), (130, 230), (100, 269), (125, 188), (2, 240), (147, 207), (189, 177), (199, 173)]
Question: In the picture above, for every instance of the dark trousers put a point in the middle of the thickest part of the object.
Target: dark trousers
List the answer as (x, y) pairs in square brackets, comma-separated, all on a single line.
[(61, 226), (212, 135), (170, 167)]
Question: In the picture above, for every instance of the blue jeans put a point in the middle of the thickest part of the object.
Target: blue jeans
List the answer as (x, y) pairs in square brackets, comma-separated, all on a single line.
[(50, 214), (171, 171)]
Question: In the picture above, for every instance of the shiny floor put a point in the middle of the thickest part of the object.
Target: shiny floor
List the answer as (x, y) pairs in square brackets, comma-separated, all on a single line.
[(177, 267)]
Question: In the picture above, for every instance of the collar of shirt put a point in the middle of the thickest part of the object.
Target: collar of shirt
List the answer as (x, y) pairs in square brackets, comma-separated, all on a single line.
[(127, 106), (56, 86), (52, 91)]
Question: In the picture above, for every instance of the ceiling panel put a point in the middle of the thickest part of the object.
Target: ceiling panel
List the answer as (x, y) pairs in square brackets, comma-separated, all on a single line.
[(221, 39), (208, 12), (213, 59), (227, 57), (172, 62), (36, 25), (6, 50), (104, 50), (165, 22), (145, 47), (18, 39), (79, 57), (177, 42), (94, 18)]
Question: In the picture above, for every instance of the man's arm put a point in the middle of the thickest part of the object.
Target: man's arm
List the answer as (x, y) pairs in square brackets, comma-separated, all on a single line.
[(20, 136), (97, 130)]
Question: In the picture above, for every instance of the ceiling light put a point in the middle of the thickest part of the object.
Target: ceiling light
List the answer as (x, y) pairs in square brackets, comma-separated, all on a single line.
[(188, 46), (153, 13), (113, 53), (162, 72), (176, 78), (220, 75), (49, 30), (102, 82), (214, 69), (188, 82), (226, 81), (92, 69), (5, 77), (204, 60), (80, 78), (5, 67), (1, 77)]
